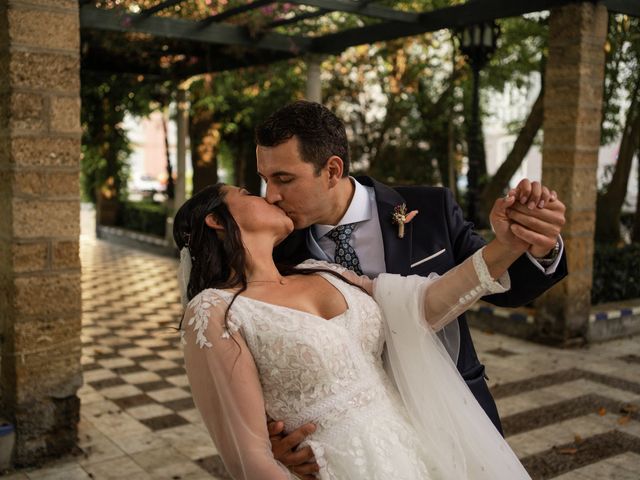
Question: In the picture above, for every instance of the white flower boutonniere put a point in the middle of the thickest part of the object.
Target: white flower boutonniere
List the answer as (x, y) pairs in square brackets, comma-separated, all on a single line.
[(400, 217)]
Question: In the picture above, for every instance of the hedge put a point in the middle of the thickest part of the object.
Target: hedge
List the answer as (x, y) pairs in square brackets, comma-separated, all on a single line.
[(616, 273), (147, 217)]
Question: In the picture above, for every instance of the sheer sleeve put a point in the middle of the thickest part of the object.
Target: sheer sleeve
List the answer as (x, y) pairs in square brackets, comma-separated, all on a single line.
[(446, 297), (226, 390)]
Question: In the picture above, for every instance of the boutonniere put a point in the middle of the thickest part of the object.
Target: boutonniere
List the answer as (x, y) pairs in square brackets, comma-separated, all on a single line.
[(400, 217)]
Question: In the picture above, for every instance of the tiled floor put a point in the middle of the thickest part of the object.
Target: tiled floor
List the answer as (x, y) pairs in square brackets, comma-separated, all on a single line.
[(568, 414)]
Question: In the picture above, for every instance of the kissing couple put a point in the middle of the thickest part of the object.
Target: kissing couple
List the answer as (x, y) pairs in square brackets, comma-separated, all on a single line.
[(324, 331)]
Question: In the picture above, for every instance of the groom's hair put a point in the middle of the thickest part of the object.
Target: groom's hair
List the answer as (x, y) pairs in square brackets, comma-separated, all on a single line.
[(319, 132)]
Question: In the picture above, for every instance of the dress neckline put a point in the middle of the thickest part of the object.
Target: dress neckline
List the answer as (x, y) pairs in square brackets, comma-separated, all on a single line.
[(327, 278)]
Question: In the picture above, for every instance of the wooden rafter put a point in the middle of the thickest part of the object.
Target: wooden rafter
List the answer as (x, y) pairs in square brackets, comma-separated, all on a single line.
[(213, 43)]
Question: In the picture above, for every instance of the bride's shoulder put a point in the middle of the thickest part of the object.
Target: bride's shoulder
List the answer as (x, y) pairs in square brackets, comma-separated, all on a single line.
[(206, 314)]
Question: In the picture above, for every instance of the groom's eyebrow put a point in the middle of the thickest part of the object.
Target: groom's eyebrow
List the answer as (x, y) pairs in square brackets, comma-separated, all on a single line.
[(279, 173)]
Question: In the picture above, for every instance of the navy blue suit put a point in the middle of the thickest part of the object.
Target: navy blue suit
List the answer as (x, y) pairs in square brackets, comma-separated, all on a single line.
[(439, 225)]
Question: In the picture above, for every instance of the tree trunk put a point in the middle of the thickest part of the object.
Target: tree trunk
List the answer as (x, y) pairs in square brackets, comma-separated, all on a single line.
[(171, 188), (245, 163), (204, 139), (496, 186), (610, 204)]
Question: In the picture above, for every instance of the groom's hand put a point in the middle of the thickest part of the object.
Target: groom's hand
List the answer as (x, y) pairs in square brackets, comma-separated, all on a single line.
[(538, 215), (301, 462)]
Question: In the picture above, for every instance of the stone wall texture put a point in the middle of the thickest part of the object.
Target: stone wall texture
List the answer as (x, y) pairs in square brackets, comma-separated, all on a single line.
[(572, 111), (40, 298)]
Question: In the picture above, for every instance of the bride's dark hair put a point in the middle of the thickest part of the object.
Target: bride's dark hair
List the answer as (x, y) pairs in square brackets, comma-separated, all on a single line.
[(218, 259)]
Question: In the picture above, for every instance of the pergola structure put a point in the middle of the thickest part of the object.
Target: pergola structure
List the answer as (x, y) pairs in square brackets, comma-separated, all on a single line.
[(223, 42), (44, 45)]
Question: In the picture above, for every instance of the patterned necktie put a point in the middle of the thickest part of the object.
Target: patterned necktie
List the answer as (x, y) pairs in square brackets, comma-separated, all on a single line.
[(345, 254)]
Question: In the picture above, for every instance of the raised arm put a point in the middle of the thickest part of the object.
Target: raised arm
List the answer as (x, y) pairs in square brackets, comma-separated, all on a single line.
[(444, 298), (226, 390), (485, 272)]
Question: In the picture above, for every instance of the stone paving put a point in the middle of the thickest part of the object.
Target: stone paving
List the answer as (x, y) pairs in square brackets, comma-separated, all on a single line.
[(568, 414)]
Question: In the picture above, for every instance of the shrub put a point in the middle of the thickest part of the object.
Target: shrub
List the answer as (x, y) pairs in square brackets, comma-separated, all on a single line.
[(616, 273), (147, 217)]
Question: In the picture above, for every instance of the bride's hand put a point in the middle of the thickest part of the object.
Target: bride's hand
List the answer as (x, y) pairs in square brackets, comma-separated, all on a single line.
[(503, 226)]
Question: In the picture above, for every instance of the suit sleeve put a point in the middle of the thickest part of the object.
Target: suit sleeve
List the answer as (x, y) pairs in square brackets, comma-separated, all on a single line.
[(527, 281)]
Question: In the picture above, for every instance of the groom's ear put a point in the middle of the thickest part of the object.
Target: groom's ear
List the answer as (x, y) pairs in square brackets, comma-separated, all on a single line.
[(212, 222), (334, 167)]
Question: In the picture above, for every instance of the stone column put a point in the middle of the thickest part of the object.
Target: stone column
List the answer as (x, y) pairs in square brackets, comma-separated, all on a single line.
[(572, 113), (314, 86), (40, 300)]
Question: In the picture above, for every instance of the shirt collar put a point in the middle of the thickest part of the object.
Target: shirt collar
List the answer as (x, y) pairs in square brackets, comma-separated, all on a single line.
[(359, 211)]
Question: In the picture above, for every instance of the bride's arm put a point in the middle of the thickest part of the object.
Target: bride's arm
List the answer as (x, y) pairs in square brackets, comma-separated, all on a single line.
[(226, 390), (450, 295)]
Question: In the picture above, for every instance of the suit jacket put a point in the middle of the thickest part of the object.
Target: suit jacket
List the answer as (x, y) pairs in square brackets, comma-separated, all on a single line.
[(440, 225)]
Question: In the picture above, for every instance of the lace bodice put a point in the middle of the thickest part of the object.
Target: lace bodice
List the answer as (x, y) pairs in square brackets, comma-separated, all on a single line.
[(308, 365)]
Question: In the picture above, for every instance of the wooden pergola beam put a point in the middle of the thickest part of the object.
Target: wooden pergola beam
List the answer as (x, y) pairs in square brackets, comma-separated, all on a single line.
[(298, 18), (159, 7), (450, 17), (361, 8), (232, 12), (220, 34), (627, 7)]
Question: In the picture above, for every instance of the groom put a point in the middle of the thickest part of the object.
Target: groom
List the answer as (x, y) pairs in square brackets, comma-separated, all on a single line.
[(303, 156)]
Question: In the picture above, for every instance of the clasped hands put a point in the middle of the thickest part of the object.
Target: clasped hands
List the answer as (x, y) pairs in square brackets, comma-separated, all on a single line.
[(528, 219)]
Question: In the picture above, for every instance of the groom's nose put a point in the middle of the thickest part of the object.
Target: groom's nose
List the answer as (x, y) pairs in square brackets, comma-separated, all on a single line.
[(272, 194)]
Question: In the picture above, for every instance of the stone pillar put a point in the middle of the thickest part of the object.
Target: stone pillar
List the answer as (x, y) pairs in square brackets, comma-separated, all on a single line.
[(40, 300), (572, 113), (314, 86)]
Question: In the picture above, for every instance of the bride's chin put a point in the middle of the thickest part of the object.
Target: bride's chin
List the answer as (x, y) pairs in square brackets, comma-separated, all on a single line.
[(285, 232)]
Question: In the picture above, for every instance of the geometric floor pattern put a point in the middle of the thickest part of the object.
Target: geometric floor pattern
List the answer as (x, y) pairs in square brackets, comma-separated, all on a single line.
[(568, 414)]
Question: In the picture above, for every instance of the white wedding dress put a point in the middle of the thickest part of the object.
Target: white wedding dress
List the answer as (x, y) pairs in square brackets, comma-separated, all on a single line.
[(297, 367)]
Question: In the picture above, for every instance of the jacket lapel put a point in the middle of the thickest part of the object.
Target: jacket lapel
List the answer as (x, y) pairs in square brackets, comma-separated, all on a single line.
[(397, 251)]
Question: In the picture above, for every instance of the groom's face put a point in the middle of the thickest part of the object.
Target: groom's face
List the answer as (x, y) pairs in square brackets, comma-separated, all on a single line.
[(293, 184)]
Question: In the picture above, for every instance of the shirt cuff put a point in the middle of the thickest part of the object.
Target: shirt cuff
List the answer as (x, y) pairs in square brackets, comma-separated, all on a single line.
[(551, 269)]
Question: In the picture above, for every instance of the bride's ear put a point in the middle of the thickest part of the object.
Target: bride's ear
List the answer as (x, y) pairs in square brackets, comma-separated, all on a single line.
[(212, 222)]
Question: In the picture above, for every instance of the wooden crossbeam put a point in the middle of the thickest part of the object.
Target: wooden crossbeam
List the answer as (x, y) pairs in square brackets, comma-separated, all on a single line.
[(224, 34), (627, 7), (361, 8), (232, 12), (450, 17), (159, 7), (298, 18)]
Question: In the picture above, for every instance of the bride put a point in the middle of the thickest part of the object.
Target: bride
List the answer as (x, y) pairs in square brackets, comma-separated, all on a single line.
[(316, 343)]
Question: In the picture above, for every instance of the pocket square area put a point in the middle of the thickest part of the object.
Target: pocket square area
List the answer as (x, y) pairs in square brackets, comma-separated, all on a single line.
[(426, 259)]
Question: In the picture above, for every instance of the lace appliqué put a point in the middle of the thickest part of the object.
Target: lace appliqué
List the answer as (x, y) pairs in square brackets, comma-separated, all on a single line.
[(201, 305)]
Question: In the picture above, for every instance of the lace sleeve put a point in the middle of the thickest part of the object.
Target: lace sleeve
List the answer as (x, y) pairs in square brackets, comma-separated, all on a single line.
[(360, 280), (446, 297), (226, 390)]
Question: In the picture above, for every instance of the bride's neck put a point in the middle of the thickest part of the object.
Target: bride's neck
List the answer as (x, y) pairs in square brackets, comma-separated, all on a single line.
[(259, 260)]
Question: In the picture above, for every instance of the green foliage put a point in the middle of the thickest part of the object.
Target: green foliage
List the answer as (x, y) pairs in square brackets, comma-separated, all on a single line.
[(234, 102), (146, 217), (105, 147), (616, 273)]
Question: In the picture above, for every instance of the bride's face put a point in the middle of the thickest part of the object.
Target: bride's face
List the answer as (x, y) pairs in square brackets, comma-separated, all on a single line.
[(254, 214)]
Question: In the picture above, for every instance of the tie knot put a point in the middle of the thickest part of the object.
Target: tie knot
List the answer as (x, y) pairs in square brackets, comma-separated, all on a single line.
[(341, 233)]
